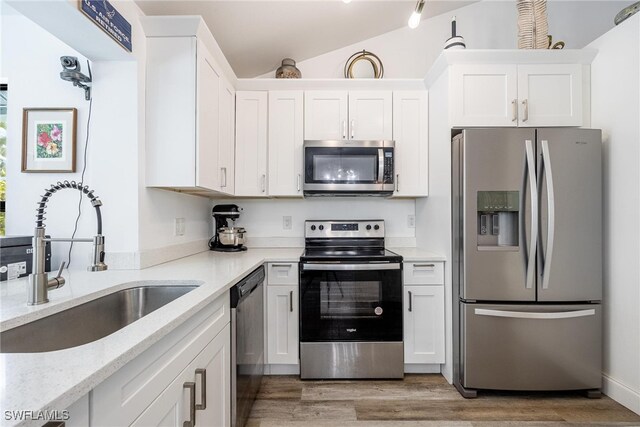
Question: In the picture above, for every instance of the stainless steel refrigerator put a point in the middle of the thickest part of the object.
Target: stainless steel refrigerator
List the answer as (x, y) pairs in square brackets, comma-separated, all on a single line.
[(527, 259)]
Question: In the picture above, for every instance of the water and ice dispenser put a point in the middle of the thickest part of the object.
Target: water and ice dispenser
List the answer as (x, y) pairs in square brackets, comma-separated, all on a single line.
[(498, 219)]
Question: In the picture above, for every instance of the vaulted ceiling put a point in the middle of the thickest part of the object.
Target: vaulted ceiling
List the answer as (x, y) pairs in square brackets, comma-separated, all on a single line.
[(256, 35)]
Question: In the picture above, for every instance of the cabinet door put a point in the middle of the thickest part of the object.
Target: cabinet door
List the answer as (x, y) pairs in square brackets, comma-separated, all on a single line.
[(325, 115), (215, 360), (285, 143), (208, 134), (170, 151), (282, 325), (251, 144), (172, 407), (226, 147), (484, 95), (370, 115), (424, 324), (411, 133), (550, 95)]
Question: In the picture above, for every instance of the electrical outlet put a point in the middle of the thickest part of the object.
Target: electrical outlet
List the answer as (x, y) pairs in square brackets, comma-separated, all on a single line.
[(411, 221), (286, 223), (179, 226)]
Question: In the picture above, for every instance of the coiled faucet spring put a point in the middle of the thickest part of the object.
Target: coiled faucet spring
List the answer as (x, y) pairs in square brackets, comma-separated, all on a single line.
[(42, 204), (39, 282)]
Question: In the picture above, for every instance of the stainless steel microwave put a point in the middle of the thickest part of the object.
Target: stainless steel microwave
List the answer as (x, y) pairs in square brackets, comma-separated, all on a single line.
[(348, 168)]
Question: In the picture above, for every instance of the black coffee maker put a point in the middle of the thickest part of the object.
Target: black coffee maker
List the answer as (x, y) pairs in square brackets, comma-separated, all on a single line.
[(227, 238)]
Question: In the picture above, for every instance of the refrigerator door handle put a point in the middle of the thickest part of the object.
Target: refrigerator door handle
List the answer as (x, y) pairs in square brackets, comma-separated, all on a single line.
[(535, 315), (548, 175), (533, 190)]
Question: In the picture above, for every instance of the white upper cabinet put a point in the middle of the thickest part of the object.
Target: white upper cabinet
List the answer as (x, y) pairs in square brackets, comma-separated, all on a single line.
[(226, 146), (190, 118), (411, 134), (484, 95), (370, 115), (550, 95), (286, 138), (526, 95), (207, 121), (251, 143), (325, 115), (340, 115)]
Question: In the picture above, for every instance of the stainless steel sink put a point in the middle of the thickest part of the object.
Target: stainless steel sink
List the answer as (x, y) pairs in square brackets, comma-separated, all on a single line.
[(90, 321)]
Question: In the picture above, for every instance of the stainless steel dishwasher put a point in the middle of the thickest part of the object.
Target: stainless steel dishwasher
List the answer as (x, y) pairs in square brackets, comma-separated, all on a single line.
[(247, 344)]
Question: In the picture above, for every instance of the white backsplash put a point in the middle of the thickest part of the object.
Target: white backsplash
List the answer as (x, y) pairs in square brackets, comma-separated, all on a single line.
[(263, 218)]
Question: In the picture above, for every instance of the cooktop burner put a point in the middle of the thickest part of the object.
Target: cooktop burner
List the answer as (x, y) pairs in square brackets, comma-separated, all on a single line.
[(346, 241), (346, 254)]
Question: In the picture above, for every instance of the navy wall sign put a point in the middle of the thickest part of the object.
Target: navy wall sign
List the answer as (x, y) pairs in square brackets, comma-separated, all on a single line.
[(109, 20)]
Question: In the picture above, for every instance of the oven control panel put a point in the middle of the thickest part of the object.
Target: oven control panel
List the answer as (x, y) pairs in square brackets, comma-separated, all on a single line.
[(347, 229)]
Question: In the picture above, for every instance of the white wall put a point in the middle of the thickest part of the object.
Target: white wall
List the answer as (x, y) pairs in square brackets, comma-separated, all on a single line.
[(31, 65), (263, 218), (138, 222), (615, 97), (489, 24)]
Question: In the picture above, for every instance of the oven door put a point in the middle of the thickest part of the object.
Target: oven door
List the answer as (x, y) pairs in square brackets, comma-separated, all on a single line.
[(354, 167), (350, 302)]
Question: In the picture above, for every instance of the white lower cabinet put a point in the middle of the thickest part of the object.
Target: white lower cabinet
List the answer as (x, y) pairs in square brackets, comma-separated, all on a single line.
[(200, 394), (282, 325), (78, 413), (424, 324), (149, 390)]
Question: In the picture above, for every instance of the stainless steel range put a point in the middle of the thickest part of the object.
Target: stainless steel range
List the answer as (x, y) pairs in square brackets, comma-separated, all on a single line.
[(350, 302)]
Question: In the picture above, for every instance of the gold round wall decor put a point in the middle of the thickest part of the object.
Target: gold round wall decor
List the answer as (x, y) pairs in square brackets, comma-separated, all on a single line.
[(363, 64)]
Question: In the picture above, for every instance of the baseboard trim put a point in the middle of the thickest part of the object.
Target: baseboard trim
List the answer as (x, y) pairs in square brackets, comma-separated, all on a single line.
[(621, 393), (282, 369), (421, 368)]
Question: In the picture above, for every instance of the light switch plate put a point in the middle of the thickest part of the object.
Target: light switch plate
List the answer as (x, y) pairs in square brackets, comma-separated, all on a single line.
[(411, 221)]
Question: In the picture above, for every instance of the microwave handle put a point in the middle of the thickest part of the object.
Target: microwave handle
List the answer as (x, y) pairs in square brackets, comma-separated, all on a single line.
[(380, 165)]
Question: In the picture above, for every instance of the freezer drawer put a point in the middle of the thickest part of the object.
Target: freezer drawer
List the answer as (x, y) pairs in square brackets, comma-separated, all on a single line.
[(531, 347)]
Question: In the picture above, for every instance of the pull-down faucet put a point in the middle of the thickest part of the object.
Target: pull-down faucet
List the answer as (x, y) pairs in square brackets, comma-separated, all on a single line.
[(39, 282)]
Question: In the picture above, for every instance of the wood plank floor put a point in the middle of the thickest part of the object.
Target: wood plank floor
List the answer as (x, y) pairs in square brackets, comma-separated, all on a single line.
[(422, 400)]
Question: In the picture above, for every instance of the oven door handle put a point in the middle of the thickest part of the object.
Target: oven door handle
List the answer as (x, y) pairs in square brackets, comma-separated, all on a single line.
[(349, 267), (380, 165)]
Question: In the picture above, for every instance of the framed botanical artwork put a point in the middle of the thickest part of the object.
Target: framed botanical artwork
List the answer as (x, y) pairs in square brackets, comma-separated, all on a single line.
[(49, 139)]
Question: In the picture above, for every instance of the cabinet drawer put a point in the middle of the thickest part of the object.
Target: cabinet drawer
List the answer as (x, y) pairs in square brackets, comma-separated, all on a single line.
[(121, 398), (424, 273), (282, 273)]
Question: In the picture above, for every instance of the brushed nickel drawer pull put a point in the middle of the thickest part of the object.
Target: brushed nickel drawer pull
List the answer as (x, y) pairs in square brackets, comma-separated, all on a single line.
[(191, 386), (203, 389)]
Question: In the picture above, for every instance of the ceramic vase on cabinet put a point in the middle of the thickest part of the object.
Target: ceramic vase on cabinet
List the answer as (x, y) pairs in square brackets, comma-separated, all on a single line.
[(288, 70), (533, 26)]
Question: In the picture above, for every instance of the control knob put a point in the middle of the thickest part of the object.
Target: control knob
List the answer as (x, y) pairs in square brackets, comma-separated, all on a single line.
[(376, 227), (313, 228), (321, 227), (368, 227)]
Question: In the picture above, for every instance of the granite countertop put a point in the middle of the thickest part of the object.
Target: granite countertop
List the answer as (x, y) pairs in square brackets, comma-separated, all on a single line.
[(54, 380), (59, 378)]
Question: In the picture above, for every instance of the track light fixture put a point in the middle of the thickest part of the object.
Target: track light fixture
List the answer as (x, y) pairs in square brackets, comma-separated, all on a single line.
[(414, 19)]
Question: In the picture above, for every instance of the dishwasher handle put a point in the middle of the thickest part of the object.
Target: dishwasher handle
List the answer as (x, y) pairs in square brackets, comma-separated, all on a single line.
[(246, 286)]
